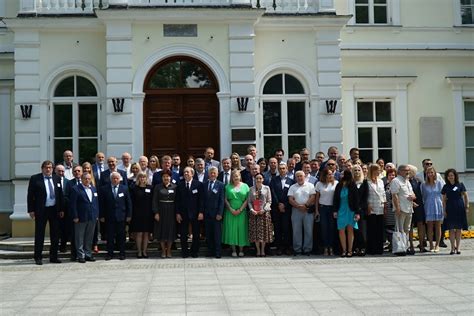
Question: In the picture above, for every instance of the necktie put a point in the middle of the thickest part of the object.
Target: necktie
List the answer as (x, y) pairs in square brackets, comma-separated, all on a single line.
[(226, 178), (187, 185), (211, 184), (115, 191), (52, 194)]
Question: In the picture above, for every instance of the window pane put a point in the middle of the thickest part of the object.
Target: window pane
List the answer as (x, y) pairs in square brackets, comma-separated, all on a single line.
[(194, 76), (384, 135), (380, 14), (65, 88), (362, 1), (386, 154), (167, 76), (63, 120), (469, 110), (362, 14), (60, 145), (380, 1), (469, 136), (364, 137), (470, 158), (296, 117), (366, 155), (295, 143), (271, 118), (85, 88), (364, 112), (87, 120), (274, 85), (382, 112), (293, 85), (87, 150), (466, 15), (271, 143)]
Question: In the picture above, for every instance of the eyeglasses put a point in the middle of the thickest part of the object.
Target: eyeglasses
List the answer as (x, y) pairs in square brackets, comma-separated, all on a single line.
[(331, 164), (428, 163), (77, 171)]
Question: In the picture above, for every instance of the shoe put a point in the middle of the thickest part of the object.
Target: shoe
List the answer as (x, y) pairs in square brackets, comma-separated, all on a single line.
[(349, 254), (55, 260), (458, 252), (296, 254), (279, 252), (194, 255), (218, 256), (234, 254), (288, 252), (163, 255), (73, 259), (442, 244), (81, 260), (326, 252), (122, 257), (108, 257), (139, 256), (423, 250), (241, 254), (62, 248), (96, 249), (452, 252), (361, 253), (90, 259), (145, 256), (343, 254), (168, 256), (38, 262), (436, 249), (184, 256)]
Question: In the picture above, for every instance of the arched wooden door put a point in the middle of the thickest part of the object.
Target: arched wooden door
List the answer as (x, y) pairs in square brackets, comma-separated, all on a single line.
[(181, 109)]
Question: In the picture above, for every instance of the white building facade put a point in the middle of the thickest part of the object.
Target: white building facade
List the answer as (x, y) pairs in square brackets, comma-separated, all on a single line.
[(392, 77)]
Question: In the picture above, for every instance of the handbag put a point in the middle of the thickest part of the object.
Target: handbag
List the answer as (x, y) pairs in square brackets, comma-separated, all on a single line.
[(399, 242)]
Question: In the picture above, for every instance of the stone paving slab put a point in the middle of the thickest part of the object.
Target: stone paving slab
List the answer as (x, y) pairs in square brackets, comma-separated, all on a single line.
[(388, 285)]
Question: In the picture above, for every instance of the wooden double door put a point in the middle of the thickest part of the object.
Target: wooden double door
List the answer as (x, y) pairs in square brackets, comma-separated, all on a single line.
[(181, 122)]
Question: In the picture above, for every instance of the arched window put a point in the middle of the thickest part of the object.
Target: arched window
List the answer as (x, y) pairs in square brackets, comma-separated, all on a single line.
[(284, 115), (75, 107)]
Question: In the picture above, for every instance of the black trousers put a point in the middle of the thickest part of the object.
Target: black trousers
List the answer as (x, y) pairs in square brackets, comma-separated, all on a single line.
[(375, 234), (49, 214), (360, 234), (184, 236), (214, 236), (282, 228), (115, 235)]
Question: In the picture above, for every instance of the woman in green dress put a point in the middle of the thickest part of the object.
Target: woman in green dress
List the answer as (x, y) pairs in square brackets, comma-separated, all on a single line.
[(235, 226)]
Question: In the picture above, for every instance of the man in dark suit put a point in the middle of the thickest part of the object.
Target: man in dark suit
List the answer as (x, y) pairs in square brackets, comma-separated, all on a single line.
[(213, 210), (200, 172), (105, 175), (208, 159), (281, 210), (77, 172), (166, 166), (45, 202), (189, 210), (68, 163), (224, 175), (115, 208), (98, 167), (84, 211), (63, 223)]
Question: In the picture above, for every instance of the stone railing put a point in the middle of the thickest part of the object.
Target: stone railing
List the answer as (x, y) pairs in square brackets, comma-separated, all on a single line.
[(88, 6)]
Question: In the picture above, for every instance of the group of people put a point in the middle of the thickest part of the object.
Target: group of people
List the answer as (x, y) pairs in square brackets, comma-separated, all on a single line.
[(329, 205)]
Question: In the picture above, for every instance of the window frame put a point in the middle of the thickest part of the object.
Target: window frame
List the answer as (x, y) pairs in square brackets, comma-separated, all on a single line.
[(457, 14), (283, 99), (75, 102), (465, 124), (374, 125), (393, 13)]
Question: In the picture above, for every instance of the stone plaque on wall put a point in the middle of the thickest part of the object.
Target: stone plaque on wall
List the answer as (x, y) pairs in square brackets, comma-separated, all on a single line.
[(431, 132), (180, 30)]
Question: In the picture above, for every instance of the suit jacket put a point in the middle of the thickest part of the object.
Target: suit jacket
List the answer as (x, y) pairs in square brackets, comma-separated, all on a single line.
[(363, 192), (175, 178), (246, 177), (67, 192), (268, 176), (220, 177), (115, 209), (36, 194), (279, 194), (212, 163), (96, 172), (195, 177), (353, 198), (81, 207), (105, 177), (189, 203), (214, 199)]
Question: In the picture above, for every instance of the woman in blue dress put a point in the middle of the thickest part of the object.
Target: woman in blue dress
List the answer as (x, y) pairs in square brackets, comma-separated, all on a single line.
[(456, 206), (431, 191), (346, 210)]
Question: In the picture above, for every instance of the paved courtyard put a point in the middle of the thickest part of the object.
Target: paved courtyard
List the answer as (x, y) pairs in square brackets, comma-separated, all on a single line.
[(434, 284)]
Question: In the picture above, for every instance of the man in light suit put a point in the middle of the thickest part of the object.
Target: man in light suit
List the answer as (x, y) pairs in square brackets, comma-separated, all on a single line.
[(213, 211), (126, 164), (99, 166), (84, 210), (208, 159), (105, 175), (189, 210), (281, 210), (45, 202), (200, 173), (115, 208)]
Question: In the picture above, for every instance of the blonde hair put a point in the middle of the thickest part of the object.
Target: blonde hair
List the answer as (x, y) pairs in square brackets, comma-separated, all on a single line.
[(372, 168), (433, 181), (361, 178)]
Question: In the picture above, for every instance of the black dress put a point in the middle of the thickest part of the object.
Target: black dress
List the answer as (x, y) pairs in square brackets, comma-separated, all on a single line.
[(142, 214), (164, 204), (456, 210)]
